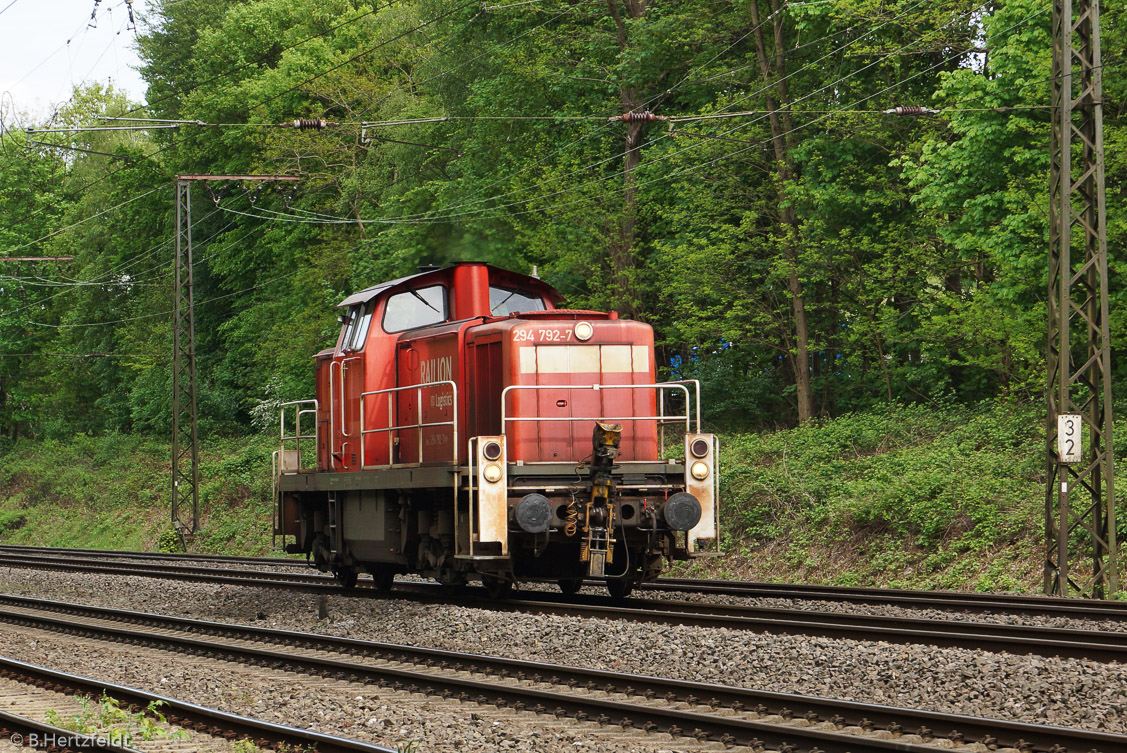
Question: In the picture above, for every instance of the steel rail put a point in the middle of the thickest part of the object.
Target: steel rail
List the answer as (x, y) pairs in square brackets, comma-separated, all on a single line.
[(995, 637), (734, 704), (1050, 606), (168, 571), (168, 556), (201, 718)]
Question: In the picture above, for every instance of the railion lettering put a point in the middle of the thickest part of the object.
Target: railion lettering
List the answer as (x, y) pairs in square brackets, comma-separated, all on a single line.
[(437, 370)]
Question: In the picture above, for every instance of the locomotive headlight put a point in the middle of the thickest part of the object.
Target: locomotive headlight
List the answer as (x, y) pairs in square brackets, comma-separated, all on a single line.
[(699, 470), (699, 448), (584, 330), (491, 451), (492, 473)]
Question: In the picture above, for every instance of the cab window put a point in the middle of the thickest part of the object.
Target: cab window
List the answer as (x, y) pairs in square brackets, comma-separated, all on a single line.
[(505, 301), (415, 308), (350, 320), (356, 332)]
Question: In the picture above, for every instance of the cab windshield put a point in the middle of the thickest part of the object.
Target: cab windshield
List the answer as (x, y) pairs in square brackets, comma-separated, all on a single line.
[(415, 308), (505, 301)]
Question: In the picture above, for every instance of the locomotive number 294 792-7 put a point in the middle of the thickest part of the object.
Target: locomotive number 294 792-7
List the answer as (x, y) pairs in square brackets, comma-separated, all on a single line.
[(542, 335)]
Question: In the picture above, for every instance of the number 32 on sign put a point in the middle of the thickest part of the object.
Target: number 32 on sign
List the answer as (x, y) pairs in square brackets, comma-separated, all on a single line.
[(1068, 437)]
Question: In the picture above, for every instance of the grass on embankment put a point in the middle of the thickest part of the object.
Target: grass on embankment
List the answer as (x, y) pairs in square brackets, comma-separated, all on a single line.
[(916, 496), (112, 492), (906, 496)]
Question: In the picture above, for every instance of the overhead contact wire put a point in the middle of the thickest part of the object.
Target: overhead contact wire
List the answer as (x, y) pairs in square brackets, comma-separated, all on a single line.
[(446, 212), (87, 219)]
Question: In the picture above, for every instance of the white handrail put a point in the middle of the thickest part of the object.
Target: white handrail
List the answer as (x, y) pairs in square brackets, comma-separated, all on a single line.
[(297, 436), (419, 425), (659, 386), (343, 362)]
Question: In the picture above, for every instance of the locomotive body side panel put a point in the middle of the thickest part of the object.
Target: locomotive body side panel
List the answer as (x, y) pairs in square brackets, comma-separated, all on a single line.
[(427, 360)]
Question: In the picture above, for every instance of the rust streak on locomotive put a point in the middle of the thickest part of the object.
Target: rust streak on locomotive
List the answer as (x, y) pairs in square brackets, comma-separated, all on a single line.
[(466, 428)]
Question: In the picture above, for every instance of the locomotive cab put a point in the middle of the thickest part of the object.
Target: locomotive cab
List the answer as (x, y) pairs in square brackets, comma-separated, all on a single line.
[(465, 427)]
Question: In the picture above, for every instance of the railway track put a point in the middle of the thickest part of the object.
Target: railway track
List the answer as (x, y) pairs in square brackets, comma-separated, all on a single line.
[(1045, 606), (963, 601), (707, 712), (205, 721), (121, 554), (1021, 639)]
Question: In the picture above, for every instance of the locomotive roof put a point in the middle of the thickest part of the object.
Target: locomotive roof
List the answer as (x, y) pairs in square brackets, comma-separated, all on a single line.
[(503, 275), (368, 294)]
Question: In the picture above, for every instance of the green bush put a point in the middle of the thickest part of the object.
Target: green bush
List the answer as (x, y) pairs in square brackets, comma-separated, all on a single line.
[(918, 487), (11, 520), (170, 542)]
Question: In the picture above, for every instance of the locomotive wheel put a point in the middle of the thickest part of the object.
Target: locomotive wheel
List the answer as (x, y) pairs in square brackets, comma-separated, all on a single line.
[(570, 586), (497, 588), (620, 588), (382, 579), (346, 576)]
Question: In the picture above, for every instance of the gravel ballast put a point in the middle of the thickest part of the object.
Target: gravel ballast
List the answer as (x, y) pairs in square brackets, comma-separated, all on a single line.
[(843, 606), (1040, 690), (864, 608), (386, 717)]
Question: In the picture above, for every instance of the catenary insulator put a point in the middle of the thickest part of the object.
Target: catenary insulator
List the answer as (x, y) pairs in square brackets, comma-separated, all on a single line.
[(911, 110), (638, 117), (310, 124)]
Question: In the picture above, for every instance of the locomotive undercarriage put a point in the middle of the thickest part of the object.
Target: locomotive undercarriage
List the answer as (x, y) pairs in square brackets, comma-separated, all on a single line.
[(363, 524)]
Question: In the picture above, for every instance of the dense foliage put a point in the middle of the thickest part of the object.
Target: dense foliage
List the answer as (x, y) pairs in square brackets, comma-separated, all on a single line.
[(796, 248)]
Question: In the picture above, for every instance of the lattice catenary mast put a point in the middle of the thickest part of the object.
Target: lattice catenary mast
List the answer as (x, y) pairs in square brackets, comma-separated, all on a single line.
[(185, 437), (1080, 547)]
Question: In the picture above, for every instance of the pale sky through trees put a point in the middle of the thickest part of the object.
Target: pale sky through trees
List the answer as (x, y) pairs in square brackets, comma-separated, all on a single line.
[(39, 68)]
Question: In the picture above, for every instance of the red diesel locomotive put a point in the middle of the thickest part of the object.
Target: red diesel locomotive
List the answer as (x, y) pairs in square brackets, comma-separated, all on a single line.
[(465, 428)]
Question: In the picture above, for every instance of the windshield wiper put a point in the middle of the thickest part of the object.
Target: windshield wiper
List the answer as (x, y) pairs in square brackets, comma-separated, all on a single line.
[(493, 310), (413, 292)]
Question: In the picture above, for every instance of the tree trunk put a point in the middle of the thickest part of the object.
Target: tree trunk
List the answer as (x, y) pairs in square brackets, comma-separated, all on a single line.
[(781, 126), (623, 262)]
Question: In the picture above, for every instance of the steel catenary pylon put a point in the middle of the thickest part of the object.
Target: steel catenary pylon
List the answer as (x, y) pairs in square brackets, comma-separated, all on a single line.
[(1080, 547)]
